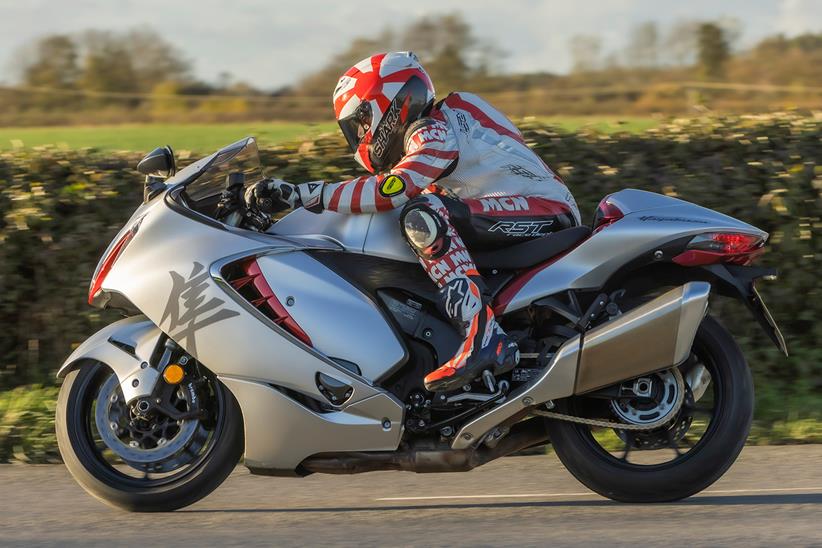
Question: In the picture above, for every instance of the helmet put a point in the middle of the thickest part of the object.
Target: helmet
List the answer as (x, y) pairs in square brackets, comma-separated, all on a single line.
[(376, 101)]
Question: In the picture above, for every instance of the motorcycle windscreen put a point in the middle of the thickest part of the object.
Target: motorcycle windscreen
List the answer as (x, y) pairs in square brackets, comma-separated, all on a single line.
[(242, 157)]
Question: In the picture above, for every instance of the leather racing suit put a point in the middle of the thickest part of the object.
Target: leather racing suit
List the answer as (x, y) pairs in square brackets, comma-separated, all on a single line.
[(466, 176)]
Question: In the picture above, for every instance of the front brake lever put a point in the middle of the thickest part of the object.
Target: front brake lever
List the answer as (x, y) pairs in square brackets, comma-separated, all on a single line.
[(230, 198), (227, 205), (256, 220)]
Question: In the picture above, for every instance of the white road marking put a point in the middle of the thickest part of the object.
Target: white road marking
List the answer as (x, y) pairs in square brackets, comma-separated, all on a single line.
[(771, 490), (589, 494), (516, 496)]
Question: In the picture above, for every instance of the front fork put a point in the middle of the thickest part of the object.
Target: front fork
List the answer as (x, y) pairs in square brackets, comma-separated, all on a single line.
[(128, 347)]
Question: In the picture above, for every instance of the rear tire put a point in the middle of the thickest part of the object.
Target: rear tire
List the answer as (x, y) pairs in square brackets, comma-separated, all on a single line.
[(700, 467), (129, 493)]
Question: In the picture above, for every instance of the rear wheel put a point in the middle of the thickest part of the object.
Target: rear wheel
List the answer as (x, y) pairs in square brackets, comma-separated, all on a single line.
[(679, 459), (133, 456)]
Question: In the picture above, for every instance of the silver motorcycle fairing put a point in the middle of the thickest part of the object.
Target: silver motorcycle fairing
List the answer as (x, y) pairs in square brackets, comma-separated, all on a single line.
[(207, 318), (651, 220), (281, 433), (376, 234), (342, 322), (200, 314), (126, 346)]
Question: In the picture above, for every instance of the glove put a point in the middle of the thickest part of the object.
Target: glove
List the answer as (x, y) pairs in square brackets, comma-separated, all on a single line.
[(270, 196), (310, 196), (273, 195)]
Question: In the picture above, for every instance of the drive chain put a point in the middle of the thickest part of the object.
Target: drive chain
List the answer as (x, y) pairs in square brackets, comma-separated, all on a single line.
[(680, 385)]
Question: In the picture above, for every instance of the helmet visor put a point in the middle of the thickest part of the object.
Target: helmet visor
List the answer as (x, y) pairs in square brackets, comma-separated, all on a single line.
[(355, 126)]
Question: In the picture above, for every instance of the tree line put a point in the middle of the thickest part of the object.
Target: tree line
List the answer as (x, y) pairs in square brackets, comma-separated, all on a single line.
[(138, 75)]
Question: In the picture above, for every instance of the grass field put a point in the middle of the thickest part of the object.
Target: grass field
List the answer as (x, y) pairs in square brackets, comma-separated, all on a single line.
[(144, 137), (208, 137)]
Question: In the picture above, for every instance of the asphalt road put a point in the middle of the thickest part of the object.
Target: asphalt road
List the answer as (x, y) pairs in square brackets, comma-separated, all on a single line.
[(771, 496)]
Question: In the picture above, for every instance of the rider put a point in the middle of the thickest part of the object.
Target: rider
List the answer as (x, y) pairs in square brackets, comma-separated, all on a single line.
[(461, 172)]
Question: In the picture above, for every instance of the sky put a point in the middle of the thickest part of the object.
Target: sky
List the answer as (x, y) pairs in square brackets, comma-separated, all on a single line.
[(271, 43)]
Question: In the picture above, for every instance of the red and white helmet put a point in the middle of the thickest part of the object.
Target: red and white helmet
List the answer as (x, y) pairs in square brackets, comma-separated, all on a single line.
[(376, 100)]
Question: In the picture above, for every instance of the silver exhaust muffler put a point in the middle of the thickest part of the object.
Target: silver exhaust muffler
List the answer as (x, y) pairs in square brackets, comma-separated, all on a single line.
[(651, 337)]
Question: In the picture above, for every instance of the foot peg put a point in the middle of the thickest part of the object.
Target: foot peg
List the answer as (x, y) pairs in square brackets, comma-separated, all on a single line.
[(500, 389), (490, 382)]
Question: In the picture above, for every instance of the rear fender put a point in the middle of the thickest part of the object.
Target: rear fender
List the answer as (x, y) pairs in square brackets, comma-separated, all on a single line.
[(733, 281), (738, 282), (126, 346)]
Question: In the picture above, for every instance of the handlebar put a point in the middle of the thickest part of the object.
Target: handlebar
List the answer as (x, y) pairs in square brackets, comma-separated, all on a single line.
[(232, 209)]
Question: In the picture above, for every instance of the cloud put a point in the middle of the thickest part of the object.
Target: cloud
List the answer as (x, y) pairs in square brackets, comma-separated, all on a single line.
[(799, 16)]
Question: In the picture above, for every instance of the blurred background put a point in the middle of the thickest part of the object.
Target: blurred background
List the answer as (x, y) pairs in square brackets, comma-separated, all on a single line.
[(719, 103)]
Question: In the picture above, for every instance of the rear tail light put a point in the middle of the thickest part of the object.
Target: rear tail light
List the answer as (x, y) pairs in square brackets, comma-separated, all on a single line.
[(606, 214), (721, 247), (108, 261)]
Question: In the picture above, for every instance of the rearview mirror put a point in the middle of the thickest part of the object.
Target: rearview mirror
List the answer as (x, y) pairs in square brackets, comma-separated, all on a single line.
[(159, 162)]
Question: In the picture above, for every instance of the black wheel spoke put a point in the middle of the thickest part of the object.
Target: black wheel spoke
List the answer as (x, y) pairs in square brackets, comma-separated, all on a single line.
[(673, 444), (698, 424), (625, 450), (695, 409)]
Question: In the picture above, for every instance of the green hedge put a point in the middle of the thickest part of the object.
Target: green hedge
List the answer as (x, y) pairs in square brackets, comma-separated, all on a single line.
[(60, 208), (27, 425)]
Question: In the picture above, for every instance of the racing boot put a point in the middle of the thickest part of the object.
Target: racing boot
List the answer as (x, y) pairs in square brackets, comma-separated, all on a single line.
[(427, 226), (485, 345)]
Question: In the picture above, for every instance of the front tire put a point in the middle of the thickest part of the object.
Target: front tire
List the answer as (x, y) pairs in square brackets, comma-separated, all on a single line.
[(85, 458), (693, 471)]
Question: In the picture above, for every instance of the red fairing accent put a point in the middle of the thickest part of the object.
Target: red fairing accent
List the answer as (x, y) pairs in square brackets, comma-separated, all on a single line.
[(504, 297), (108, 262), (517, 206), (275, 310)]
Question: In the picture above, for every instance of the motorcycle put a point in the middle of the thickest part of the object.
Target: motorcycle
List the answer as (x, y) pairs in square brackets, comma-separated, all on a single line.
[(300, 346)]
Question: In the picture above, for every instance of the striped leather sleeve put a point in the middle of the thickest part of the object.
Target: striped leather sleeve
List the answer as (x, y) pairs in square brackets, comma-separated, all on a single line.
[(430, 153)]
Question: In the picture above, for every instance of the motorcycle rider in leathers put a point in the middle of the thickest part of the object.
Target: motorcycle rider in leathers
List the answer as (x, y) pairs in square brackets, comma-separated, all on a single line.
[(462, 174)]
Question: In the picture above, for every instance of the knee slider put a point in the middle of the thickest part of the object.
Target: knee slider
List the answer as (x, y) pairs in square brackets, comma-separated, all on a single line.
[(424, 229)]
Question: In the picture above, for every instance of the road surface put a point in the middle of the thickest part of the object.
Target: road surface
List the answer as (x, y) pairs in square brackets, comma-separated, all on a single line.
[(771, 496)]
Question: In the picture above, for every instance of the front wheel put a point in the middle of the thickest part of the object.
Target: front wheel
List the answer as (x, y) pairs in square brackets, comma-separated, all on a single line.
[(147, 461), (676, 460)]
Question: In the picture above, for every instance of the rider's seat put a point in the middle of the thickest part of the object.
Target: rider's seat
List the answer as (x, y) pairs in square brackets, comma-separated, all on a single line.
[(532, 252)]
